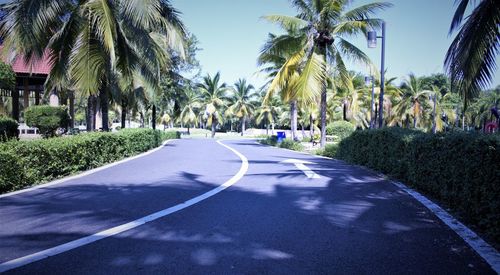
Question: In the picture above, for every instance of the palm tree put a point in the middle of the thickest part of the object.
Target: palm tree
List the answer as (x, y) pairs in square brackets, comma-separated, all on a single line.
[(268, 113), (91, 42), (191, 104), (214, 97), (470, 60), (413, 101), (242, 104), (275, 54), (480, 110), (324, 25), (443, 108), (352, 93)]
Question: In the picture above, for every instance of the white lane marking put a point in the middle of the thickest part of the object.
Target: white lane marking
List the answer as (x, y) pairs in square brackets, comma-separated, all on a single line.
[(124, 227), (480, 246), (86, 173), (300, 164), (487, 252)]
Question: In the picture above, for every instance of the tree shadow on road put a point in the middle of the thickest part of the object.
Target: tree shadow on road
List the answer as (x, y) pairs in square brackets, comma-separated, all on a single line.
[(351, 222)]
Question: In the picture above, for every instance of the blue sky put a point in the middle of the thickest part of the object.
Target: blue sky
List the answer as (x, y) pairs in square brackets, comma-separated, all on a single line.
[(231, 34)]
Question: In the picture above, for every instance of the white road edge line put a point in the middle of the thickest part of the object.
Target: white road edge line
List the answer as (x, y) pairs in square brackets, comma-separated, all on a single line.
[(85, 173), (480, 246), (15, 263), (486, 251)]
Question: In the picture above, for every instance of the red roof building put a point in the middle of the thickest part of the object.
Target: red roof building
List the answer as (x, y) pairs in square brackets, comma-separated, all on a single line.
[(30, 80)]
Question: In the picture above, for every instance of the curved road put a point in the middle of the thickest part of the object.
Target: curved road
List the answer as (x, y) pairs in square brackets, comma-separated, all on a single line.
[(340, 219)]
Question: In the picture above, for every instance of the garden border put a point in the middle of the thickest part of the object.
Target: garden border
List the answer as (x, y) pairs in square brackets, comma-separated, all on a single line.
[(85, 173)]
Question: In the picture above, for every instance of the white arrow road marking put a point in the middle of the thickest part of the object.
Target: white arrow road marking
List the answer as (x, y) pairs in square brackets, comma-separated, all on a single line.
[(300, 164)]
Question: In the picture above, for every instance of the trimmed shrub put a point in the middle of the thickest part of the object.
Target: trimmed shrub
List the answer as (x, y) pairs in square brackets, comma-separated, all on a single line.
[(383, 149), (24, 163), (8, 129), (292, 145), (171, 135), (340, 129), (461, 170), (10, 172), (272, 140), (47, 119), (330, 150)]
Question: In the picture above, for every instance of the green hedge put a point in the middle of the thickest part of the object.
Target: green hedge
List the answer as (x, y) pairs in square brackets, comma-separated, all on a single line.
[(461, 170), (286, 143), (8, 129), (24, 163), (292, 145)]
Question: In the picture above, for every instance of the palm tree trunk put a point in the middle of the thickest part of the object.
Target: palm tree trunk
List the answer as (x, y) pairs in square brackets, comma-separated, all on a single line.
[(243, 120), (72, 109), (344, 111), (189, 133), (293, 119), (414, 122), (323, 102), (311, 126), (272, 129), (104, 101), (434, 119), (267, 129), (124, 113), (213, 126), (153, 117), (91, 108), (303, 130)]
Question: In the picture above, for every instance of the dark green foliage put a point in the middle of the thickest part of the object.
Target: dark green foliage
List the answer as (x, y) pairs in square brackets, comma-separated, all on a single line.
[(461, 170), (10, 172), (24, 163), (286, 143), (272, 140), (384, 150), (340, 129), (292, 145), (47, 119), (8, 129), (7, 77), (330, 150), (171, 135)]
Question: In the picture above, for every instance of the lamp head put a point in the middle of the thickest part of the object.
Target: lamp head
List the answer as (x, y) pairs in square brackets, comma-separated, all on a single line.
[(372, 39), (368, 80)]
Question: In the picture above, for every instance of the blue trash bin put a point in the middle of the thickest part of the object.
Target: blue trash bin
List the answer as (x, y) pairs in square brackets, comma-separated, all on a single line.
[(281, 136)]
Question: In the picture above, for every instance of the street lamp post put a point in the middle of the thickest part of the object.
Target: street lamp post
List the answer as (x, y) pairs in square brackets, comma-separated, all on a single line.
[(371, 80), (372, 43)]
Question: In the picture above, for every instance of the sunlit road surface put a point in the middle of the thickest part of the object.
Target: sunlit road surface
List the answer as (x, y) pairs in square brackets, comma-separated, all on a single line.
[(275, 219)]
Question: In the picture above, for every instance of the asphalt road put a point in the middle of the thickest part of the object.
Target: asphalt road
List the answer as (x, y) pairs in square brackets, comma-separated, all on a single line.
[(274, 220)]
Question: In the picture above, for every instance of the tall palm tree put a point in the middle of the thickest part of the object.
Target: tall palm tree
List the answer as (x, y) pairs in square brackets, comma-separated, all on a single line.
[(268, 113), (275, 54), (443, 108), (324, 25), (191, 104), (352, 93), (214, 97), (413, 102), (242, 105), (470, 60), (90, 41)]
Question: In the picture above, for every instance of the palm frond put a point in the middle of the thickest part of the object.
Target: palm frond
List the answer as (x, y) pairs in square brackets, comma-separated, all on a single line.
[(287, 22)]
